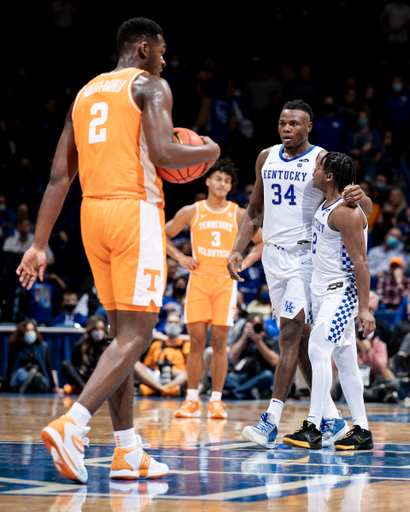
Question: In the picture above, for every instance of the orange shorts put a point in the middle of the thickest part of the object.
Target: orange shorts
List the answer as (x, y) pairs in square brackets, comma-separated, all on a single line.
[(210, 299), (124, 240)]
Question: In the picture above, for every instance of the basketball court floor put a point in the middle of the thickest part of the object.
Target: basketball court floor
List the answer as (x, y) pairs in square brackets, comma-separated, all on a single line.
[(212, 467)]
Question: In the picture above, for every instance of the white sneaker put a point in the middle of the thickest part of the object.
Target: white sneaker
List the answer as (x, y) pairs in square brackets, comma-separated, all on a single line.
[(134, 464), (65, 441)]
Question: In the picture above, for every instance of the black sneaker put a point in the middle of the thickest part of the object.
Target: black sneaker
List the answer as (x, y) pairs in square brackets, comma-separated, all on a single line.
[(357, 439), (306, 437)]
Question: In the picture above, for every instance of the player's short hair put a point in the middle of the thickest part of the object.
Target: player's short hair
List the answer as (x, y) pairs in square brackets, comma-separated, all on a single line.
[(224, 165), (135, 29), (299, 105), (342, 167)]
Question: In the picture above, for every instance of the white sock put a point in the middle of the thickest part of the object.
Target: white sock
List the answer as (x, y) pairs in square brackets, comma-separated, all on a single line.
[(330, 410), (276, 408), (192, 394), (126, 438), (79, 414), (362, 422), (216, 396)]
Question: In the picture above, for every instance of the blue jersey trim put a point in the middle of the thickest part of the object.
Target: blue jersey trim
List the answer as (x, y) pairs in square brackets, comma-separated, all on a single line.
[(297, 157), (337, 200)]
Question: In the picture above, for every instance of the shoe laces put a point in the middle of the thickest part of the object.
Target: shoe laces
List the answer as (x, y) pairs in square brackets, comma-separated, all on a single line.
[(144, 446), (264, 424), (326, 424)]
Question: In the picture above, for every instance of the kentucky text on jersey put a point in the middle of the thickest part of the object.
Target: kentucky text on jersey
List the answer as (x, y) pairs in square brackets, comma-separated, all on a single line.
[(284, 175), (105, 86), (213, 253), (216, 224), (318, 225)]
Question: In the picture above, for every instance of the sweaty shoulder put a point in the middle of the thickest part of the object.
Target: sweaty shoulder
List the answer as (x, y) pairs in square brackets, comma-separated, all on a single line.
[(151, 88)]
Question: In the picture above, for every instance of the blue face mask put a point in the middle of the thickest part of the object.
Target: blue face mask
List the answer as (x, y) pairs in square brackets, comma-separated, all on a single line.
[(392, 242), (30, 337), (397, 87), (265, 296), (362, 122)]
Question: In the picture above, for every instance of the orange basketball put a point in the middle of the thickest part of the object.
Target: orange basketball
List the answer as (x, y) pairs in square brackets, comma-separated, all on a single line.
[(183, 136)]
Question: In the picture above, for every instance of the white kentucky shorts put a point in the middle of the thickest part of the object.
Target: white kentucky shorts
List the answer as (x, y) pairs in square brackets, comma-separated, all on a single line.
[(337, 309), (289, 274)]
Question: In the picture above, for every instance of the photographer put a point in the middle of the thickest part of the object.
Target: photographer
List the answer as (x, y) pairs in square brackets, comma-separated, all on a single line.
[(253, 358), (163, 371)]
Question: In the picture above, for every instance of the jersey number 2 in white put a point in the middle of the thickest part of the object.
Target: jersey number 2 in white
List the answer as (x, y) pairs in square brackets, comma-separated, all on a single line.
[(101, 135)]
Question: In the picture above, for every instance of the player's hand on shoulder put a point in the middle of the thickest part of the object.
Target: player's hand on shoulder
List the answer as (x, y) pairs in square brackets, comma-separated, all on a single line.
[(235, 266), (32, 265), (353, 195)]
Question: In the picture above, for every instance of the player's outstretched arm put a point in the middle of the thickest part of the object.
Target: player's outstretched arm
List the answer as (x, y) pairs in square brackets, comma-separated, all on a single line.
[(154, 96), (173, 227), (354, 195), (251, 220), (350, 223), (63, 171)]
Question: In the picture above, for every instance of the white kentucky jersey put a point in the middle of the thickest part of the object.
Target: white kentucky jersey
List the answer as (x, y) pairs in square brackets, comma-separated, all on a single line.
[(290, 199), (332, 266)]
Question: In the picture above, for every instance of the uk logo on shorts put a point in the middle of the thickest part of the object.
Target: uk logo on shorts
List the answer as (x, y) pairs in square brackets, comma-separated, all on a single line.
[(289, 307)]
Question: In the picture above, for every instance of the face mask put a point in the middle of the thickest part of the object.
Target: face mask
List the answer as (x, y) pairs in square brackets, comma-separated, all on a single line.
[(172, 329), (179, 291), (265, 296), (69, 307), (380, 186), (23, 237), (2, 207), (97, 335), (369, 95), (392, 242), (362, 121), (397, 87), (30, 337)]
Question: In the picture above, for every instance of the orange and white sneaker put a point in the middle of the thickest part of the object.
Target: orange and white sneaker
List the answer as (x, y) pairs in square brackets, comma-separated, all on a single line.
[(189, 409), (65, 441), (216, 410), (133, 464)]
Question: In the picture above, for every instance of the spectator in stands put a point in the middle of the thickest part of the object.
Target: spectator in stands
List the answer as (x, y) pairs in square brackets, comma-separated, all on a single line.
[(7, 218), (379, 257), (394, 209), (29, 365), (163, 371), (37, 303), (348, 109), (399, 332), (330, 129), (174, 303), (397, 110), (85, 355), (364, 143), (172, 272), (68, 318), (382, 325), (392, 288), (394, 20), (367, 188), (253, 359), (261, 304)]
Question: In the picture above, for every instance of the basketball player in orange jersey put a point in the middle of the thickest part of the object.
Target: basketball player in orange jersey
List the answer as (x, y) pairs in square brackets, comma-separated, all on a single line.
[(211, 295), (117, 130)]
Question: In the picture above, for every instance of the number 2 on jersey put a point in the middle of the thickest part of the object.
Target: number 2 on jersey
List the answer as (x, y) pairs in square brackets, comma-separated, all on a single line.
[(101, 136), (290, 194)]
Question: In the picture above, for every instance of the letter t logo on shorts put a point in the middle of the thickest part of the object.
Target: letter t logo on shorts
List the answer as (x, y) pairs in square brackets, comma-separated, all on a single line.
[(154, 274)]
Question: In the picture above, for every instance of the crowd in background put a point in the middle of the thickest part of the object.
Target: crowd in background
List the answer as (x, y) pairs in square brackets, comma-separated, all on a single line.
[(361, 104)]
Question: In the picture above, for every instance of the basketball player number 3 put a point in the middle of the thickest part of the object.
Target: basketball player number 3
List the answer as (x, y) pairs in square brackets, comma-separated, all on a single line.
[(290, 194), (101, 136)]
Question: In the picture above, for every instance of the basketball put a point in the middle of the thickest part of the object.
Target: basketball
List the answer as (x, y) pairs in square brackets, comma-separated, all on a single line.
[(183, 136)]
